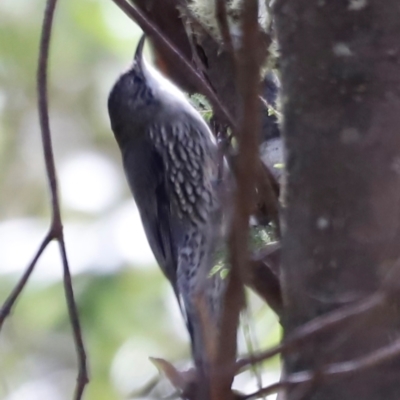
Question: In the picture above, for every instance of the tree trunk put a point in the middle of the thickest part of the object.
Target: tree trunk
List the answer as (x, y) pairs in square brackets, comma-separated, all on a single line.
[(341, 84)]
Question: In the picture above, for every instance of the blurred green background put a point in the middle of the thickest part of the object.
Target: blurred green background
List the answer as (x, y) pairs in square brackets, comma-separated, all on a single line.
[(127, 309)]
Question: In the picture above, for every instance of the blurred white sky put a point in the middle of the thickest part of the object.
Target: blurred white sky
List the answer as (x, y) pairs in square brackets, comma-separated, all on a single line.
[(115, 240)]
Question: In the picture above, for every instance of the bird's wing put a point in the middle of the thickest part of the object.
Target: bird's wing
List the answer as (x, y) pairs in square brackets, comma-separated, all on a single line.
[(190, 168), (145, 172)]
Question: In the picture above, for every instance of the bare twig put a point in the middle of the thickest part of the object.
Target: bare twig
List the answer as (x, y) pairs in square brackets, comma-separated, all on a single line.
[(248, 132), (151, 29), (56, 227), (316, 326), (44, 112), (334, 370), (12, 298), (83, 378)]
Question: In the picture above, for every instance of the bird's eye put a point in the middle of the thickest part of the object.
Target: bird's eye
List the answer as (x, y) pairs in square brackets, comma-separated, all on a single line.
[(137, 79)]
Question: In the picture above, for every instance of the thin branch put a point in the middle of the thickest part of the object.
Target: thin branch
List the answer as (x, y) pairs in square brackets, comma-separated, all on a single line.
[(82, 378), (151, 29), (44, 113), (316, 326), (248, 72), (335, 370), (56, 225), (12, 298)]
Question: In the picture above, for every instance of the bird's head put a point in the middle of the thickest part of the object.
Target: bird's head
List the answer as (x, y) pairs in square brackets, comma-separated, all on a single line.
[(131, 101), (133, 90), (140, 93)]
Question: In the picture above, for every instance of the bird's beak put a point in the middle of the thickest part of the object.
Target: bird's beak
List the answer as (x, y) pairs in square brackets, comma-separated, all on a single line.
[(139, 51)]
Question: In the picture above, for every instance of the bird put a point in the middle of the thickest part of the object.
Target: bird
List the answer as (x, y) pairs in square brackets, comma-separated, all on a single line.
[(171, 163)]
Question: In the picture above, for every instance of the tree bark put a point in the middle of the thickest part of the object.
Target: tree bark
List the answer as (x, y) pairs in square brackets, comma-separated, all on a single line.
[(340, 64)]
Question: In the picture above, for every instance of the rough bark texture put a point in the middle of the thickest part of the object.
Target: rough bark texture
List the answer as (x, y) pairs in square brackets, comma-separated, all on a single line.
[(341, 86)]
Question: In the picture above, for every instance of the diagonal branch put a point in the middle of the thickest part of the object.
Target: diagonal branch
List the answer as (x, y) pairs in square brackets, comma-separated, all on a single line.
[(316, 326), (19, 287), (334, 370)]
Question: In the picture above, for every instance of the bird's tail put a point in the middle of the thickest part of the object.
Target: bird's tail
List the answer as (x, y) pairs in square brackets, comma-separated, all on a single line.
[(201, 292)]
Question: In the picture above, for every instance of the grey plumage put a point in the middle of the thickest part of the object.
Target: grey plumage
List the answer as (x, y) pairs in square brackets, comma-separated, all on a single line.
[(170, 160)]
